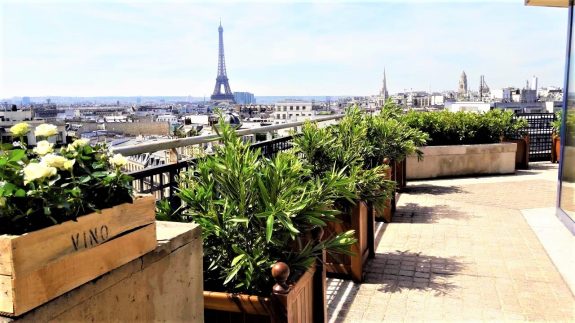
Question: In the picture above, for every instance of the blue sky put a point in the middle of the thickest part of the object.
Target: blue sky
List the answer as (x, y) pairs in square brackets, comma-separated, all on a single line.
[(108, 48)]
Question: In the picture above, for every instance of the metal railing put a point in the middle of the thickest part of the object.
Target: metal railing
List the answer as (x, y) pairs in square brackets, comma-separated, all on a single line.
[(162, 181), (540, 130), (191, 141)]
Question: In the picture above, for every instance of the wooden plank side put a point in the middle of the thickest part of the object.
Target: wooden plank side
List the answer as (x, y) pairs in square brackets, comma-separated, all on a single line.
[(6, 264), (6, 294), (238, 303), (299, 302), (62, 275), (35, 250)]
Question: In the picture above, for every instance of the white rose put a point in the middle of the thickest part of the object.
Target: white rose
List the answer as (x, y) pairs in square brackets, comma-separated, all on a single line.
[(46, 130), (20, 129), (43, 147), (36, 171), (80, 143), (62, 163), (118, 160)]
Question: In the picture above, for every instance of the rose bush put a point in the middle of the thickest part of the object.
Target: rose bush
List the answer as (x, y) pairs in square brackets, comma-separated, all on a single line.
[(45, 185)]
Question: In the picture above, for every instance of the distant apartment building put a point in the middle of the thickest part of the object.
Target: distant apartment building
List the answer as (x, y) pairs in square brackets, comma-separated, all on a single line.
[(244, 98), (25, 101), (519, 100), (467, 106), (293, 110)]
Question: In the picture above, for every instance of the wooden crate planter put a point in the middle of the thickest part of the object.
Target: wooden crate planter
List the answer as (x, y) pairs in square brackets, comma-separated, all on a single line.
[(556, 149), (352, 266), (300, 302), (39, 266), (399, 174), (385, 214)]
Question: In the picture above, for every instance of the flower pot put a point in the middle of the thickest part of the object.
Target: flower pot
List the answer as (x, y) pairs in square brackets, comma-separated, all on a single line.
[(351, 266), (287, 302), (522, 153), (556, 149), (39, 266)]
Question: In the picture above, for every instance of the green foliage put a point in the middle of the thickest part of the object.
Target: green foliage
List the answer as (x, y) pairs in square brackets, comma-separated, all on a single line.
[(556, 125), (255, 211), (346, 148), (38, 190), (392, 138), (465, 128)]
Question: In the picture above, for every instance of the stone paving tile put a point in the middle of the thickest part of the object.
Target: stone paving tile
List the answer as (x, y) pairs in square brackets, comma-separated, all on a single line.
[(460, 250)]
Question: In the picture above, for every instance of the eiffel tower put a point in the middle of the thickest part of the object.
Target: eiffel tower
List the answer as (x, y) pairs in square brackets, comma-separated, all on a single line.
[(222, 79)]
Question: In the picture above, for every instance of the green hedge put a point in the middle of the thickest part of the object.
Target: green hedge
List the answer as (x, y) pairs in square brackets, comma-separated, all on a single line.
[(465, 128)]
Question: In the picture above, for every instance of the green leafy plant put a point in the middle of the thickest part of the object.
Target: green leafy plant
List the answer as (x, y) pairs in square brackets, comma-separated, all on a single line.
[(391, 138), (346, 148), (557, 123), (465, 128), (256, 211), (44, 186)]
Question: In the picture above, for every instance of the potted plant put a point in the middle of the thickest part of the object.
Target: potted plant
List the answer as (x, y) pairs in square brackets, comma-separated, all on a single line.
[(392, 140), (62, 208), (463, 143), (344, 148), (256, 212), (510, 129), (556, 137)]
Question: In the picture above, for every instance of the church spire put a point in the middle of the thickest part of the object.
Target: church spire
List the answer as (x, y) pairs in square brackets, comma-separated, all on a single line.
[(384, 92)]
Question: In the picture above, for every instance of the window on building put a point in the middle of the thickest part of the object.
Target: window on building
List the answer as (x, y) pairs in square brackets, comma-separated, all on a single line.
[(297, 107)]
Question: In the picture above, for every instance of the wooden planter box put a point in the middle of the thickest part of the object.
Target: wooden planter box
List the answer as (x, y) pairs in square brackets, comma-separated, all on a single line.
[(556, 149), (38, 266), (363, 225), (302, 301), (522, 153), (386, 214), (399, 170)]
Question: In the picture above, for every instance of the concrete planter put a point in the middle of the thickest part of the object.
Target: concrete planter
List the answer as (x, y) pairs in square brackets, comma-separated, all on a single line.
[(463, 160)]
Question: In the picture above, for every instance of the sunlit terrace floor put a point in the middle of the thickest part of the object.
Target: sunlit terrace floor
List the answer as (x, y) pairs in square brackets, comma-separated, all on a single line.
[(467, 249)]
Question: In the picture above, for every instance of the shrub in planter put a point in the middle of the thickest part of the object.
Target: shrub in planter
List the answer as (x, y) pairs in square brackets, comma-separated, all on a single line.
[(393, 139), (48, 202), (465, 128), (556, 137), (255, 212), (344, 148)]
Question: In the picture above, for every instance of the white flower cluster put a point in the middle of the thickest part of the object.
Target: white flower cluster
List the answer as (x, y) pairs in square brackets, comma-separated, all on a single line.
[(118, 160)]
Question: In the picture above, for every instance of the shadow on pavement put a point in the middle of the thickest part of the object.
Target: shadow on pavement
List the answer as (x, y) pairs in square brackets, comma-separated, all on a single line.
[(416, 213), (405, 270), (432, 189)]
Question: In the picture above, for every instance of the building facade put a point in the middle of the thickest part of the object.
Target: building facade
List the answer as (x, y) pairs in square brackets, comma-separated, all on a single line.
[(293, 110), (244, 98)]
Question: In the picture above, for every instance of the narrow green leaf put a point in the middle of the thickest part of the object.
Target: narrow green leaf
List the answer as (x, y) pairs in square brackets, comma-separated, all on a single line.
[(269, 227)]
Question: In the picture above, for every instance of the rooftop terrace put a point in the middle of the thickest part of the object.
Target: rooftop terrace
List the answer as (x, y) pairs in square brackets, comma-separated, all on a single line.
[(485, 248)]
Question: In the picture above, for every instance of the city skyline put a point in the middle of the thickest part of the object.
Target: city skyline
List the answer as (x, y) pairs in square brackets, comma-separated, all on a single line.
[(128, 49)]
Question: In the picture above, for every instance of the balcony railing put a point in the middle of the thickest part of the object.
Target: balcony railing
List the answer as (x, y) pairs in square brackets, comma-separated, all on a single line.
[(162, 181)]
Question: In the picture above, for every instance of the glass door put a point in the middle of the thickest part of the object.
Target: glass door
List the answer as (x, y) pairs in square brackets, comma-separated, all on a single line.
[(567, 164)]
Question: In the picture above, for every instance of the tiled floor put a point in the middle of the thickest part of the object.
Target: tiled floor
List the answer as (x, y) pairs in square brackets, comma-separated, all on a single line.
[(460, 250)]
